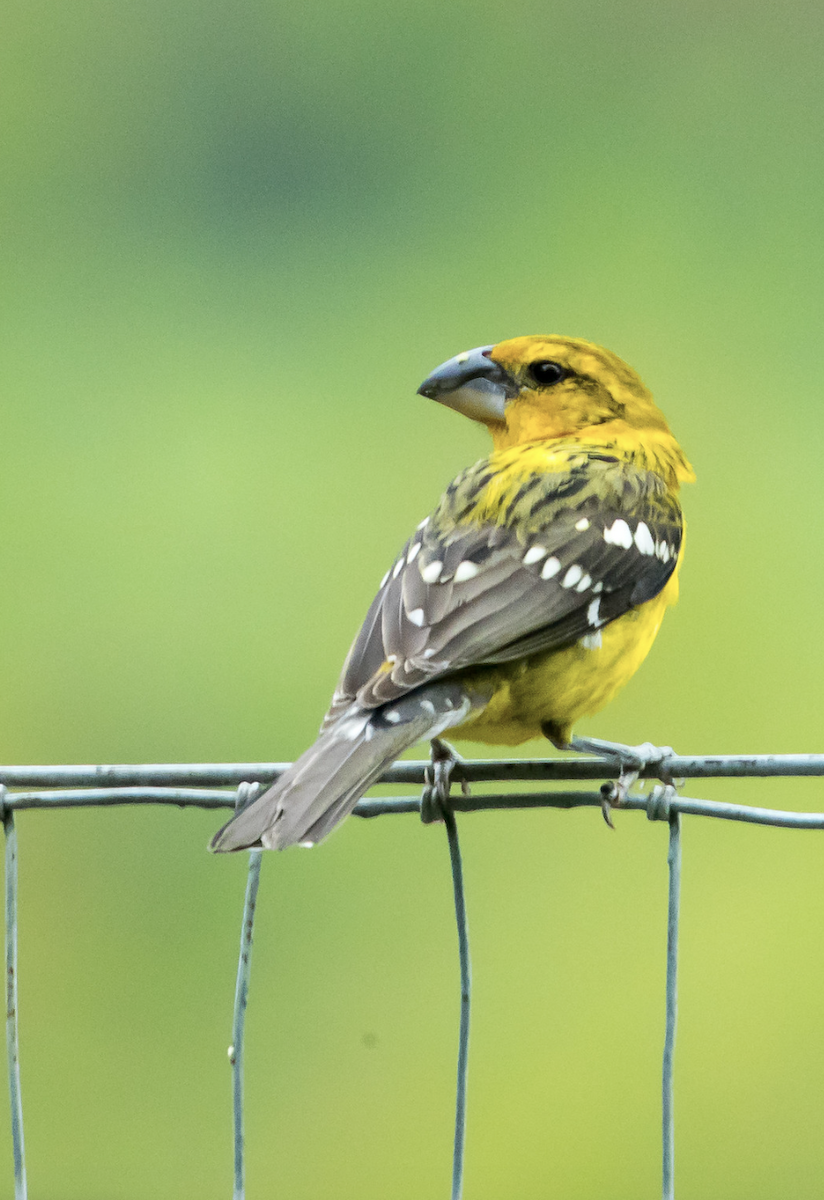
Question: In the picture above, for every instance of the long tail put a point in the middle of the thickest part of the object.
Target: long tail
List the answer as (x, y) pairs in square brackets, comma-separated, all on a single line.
[(326, 782)]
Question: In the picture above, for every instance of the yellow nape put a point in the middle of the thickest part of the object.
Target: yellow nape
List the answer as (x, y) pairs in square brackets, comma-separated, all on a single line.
[(560, 686)]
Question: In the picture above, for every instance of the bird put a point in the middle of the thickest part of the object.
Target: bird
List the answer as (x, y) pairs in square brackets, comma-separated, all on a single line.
[(525, 600)]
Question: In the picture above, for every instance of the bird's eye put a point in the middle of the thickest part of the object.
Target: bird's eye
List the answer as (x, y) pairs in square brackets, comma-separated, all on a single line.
[(547, 373)]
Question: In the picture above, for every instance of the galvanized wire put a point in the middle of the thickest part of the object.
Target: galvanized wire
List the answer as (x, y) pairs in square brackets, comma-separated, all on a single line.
[(375, 806), (466, 986), (176, 785), (667, 1083), (480, 770), (12, 1042), (245, 794)]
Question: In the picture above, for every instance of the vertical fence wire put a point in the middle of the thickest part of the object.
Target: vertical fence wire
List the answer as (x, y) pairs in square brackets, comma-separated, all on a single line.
[(12, 1043), (246, 793), (466, 984), (667, 1114), (239, 1019)]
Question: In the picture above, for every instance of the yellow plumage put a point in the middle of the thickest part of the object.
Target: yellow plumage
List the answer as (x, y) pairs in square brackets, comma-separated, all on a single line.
[(529, 596), (560, 686)]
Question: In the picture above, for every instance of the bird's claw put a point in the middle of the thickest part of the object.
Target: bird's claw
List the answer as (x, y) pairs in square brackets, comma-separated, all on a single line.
[(444, 762), (613, 794), (632, 761)]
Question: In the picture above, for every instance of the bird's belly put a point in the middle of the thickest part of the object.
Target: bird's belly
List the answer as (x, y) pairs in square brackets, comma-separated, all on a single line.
[(560, 686)]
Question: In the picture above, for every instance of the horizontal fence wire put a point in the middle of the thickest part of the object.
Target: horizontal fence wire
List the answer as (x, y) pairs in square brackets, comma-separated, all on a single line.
[(479, 770), (205, 786)]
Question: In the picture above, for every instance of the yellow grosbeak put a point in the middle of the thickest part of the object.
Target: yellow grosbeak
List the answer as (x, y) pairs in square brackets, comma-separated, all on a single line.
[(525, 600)]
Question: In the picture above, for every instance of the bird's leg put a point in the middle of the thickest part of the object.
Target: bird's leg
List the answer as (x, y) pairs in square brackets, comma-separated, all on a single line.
[(435, 796), (632, 760)]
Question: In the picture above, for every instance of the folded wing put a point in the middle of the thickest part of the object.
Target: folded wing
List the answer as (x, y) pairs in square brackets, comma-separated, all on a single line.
[(565, 553)]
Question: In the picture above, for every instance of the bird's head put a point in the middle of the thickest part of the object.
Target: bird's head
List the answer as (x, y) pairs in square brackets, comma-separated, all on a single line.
[(531, 388)]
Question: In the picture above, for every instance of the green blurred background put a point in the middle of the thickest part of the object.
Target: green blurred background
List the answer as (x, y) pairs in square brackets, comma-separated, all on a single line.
[(235, 239)]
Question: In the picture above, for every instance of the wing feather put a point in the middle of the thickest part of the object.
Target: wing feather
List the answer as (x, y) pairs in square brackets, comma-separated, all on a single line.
[(575, 550)]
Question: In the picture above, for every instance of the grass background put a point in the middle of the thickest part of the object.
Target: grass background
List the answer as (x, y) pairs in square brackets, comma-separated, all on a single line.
[(235, 239)]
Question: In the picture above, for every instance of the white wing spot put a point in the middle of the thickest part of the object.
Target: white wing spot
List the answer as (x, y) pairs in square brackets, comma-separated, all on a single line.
[(351, 730), (534, 554), (591, 641), (593, 611), (429, 652), (582, 524), (466, 570), (572, 576), (664, 552), (597, 588), (392, 716), (644, 539), (414, 550), (396, 570), (385, 579), (551, 567), (619, 535), (416, 617), (428, 707), (584, 584), (306, 845), (423, 523), (431, 573)]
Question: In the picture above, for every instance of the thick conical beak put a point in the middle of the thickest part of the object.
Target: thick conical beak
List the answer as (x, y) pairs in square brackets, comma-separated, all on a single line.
[(472, 384)]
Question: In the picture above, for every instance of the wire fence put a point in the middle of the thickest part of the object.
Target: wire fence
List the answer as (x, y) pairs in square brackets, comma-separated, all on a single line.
[(204, 785)]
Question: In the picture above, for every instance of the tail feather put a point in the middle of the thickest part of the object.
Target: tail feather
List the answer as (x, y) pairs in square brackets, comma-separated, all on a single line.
[(326, 782)]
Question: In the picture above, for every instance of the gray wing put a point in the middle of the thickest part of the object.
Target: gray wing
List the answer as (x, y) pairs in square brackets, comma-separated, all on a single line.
[(574, 551)]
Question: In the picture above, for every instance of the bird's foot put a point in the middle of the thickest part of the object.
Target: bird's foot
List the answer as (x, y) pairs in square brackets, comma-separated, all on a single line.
[(632, 761), (445, 762)]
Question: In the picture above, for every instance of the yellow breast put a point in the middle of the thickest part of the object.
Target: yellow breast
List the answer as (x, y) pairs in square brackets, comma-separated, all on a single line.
[(560, 686)]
